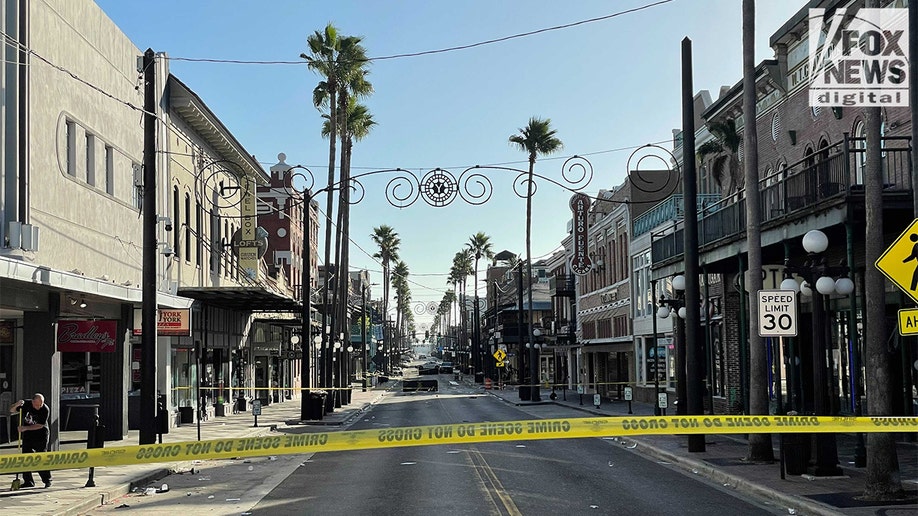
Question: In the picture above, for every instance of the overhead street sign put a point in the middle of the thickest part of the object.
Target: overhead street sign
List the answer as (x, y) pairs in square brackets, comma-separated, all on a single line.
[(777, 313), (899, 262)]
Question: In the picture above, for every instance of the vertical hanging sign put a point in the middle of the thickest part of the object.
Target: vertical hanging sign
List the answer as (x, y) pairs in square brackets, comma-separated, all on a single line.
[(248, 249), (580, 261)]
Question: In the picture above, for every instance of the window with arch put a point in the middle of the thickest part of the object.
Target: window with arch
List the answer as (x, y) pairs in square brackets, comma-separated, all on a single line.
[(199, 233), (186, 228), (176, 212), (859, 148), (227, 238), (775, 127)]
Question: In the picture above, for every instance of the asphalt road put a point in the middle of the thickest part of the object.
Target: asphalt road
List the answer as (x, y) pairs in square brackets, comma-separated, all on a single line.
[(569, 477), (583, 476)]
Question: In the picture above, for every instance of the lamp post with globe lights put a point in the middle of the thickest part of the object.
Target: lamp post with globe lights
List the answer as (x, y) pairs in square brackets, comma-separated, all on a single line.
[(676, 307), (534, 364), (827, 280)]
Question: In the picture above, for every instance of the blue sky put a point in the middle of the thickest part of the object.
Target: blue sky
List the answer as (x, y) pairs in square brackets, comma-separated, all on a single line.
[(606, 85)]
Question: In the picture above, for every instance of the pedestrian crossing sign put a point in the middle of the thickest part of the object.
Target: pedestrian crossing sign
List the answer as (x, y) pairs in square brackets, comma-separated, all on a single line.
[(899, 262)]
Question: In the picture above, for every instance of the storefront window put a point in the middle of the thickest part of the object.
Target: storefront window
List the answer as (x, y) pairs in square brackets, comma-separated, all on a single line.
[(80, 374), (184, 378)]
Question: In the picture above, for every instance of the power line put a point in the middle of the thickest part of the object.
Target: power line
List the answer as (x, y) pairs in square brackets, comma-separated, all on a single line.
[(441, 50)]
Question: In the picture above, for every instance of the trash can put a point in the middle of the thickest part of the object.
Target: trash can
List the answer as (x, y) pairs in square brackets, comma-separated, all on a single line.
[(240, 407), (525, 393), (315, 406), (186, 415), (796, 453), (479, 377)]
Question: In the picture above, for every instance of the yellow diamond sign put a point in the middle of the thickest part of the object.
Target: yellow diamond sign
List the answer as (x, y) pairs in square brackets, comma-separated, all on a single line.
[(899, 262), (500, 355)]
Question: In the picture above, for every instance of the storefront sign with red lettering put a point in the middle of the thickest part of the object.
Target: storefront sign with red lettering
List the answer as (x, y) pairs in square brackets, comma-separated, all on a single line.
[(580, 261), (82, 336)]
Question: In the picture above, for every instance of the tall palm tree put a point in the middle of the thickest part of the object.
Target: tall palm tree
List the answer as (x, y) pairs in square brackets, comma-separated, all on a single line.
[(388, 241), (724, 155), (402, 294), (760, 448), (359, 122), (883, 479), (325, 58), (462, 267), (353, 118), (479, 246), (537, 138)]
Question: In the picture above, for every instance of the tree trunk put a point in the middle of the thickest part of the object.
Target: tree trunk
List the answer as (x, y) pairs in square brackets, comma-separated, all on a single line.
[(882, 480), (326, 376), (760, 447)]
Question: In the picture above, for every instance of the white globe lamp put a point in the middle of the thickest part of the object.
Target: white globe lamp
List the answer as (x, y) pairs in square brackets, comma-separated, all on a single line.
[(815, 241)]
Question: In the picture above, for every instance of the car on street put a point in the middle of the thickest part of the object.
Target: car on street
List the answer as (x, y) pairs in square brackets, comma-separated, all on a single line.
[(446, 368), (429, 368)]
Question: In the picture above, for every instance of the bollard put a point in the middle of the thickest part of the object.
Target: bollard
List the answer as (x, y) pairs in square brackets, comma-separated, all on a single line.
[(95, 438)]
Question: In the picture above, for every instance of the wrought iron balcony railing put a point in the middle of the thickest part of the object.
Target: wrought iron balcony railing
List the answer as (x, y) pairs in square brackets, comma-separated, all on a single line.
[(832, 176)]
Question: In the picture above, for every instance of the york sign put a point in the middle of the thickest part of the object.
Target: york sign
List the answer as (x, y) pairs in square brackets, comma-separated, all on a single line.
[(777, 313)]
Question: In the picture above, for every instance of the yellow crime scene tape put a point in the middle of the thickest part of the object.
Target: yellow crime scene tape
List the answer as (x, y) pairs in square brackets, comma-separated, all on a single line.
[(465, 433)]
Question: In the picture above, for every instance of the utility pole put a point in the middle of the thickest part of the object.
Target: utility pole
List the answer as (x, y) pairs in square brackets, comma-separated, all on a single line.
[(148, 318), (693, 363)]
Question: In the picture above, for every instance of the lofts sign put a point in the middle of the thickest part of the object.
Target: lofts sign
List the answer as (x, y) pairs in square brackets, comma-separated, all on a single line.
[(580, 260), (859, 60)]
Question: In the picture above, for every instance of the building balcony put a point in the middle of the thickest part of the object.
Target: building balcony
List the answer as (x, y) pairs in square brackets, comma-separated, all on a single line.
[(561, 285), (831, 178), (673, 208)]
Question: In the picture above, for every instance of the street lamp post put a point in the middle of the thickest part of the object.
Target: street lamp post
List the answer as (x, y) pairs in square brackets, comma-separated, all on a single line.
[(676, 307), (816, 272), (534, 362)]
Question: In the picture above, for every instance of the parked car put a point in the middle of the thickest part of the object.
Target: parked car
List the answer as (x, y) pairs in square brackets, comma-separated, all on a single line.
[(446, 368)]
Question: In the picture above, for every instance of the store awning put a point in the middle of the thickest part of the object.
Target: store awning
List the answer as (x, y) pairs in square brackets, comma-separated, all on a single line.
[(244, 299)]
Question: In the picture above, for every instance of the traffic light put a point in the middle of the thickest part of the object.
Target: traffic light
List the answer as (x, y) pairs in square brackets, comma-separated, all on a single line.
[(426, 334)]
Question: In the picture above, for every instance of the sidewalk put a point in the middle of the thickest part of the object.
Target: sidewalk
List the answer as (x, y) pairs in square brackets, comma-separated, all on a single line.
[(68, 494), (722, 462)]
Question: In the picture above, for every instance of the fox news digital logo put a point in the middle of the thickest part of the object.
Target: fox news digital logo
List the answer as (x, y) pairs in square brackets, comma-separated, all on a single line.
[(861, 61)]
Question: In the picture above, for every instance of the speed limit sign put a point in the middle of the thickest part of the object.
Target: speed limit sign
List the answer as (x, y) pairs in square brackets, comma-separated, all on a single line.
[(777, 313)]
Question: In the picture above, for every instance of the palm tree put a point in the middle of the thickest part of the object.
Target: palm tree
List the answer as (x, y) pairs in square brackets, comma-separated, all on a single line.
[(359, 122), (479, 245), (883, 480), (724, 149), (536, 138), (387, 240), (325, 57), (462, 267), (402, 294), (760, 448)]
